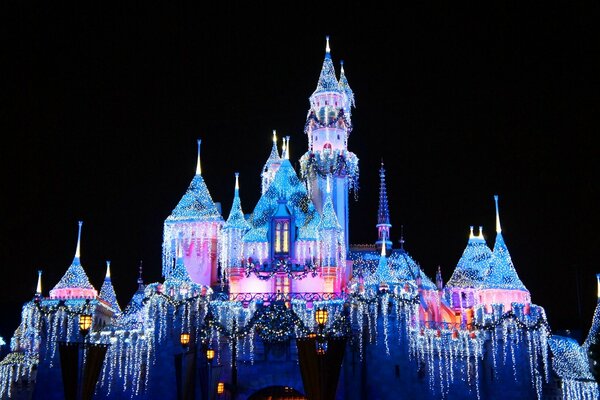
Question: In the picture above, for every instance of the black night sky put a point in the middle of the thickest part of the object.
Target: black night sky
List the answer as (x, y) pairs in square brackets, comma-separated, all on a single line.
[(102, 106)]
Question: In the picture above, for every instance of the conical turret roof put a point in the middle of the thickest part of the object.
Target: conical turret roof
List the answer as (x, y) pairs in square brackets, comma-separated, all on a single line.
[(197, 203), (107, 291), (132, 316), (595, 328), (236, 219), (405, 269), (382, 273), (344, 86), (75, 277), (502, 274), (473, 265), (327, 79)]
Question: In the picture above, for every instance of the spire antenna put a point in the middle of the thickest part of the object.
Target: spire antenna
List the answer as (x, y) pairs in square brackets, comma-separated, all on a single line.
[(287, 148), (471, 236), (107, 269), (327, 49), (38, 290), (402, 237), (140, 280), (198, 167), (78, 249), (498, 227)]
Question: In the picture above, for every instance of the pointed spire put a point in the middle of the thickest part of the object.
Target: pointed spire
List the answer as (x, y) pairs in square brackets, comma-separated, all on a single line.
[(287, 147), (383, 213), (198, 167), (284, 148), (439, 283), (38, 290), (327, 79), (107, 291), (75, 282), (274, 156), (471, 236), (236, 217), (401, 237), (480, 236), (78, 249), (140, 280), (329, 219), (345, 87), (498, 227)]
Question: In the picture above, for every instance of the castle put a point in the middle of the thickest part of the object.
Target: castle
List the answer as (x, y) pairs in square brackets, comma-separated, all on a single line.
[(278, 303)]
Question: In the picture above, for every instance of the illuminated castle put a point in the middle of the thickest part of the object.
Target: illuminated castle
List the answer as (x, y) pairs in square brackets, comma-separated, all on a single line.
[(293, 310)]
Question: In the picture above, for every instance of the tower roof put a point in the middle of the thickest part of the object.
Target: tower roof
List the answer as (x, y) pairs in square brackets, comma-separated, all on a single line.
[(327, 79), (132, 316), (344, 86), (474, 264), (274, 157), (406, 269), (236, 217), (382, 274), (595, 328), (107, 291), (502, 274), (286, 185), (197, 203), (75, 277)]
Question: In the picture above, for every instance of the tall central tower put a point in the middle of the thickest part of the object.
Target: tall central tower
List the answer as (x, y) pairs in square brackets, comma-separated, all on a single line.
[(328, 127)]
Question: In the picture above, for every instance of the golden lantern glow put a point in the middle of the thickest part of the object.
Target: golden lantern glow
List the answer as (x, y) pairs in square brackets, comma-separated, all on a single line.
[(85, 323), (210, 354), (320, 351), (220, 388), (321, 315), (184, 339), (312, 335)]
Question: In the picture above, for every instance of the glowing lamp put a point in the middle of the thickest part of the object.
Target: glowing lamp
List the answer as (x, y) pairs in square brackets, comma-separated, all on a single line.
[(321, 316), (312, 335), (85, 323), (210, 354), (184, 339), (320, 351), (220, 388)]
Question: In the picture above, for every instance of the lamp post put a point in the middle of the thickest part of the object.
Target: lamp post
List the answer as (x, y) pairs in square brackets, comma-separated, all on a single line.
[(321, 315), (210, 355)]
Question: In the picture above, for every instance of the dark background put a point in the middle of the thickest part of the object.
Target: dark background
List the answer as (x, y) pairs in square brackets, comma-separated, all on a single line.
[(102, 105)]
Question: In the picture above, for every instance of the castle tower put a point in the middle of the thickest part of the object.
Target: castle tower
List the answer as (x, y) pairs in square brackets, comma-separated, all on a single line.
[(107, 292), (231, 241), (271, 166), (328, 127), (383, 215), (194, 225), (75, 283), (470, 272), (332, 249), (502, 284)]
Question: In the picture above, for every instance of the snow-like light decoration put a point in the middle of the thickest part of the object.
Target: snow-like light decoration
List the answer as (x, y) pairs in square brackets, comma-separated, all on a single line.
[(502, 274), (595, 328), (75, 282), (339, 163), (107, 291), (570, 363), (196, 221), (271, 165)]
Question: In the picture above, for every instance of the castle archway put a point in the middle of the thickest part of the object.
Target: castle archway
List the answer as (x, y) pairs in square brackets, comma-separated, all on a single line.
[(277, 393)]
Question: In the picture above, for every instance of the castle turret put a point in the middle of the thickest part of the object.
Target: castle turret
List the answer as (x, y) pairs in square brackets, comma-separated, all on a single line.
[(328, 127), (332, 249), (75, 282), (502, 284), (107, 292), (232, 251), (194, 225), (471, 270), (383, 214), (38, 290), (271, 166)]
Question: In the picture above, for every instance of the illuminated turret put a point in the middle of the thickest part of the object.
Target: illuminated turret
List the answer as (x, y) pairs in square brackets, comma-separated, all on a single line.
[(327, 128), (383, 214), (271, 166), (75, 282), (194, 226), (107, 292)]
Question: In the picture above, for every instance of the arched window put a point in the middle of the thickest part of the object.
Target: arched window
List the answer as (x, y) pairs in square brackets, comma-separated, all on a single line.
[(281, 237), (278, 234)]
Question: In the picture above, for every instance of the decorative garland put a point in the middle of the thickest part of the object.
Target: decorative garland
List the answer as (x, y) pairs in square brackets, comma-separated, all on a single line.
[(295, 271)]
